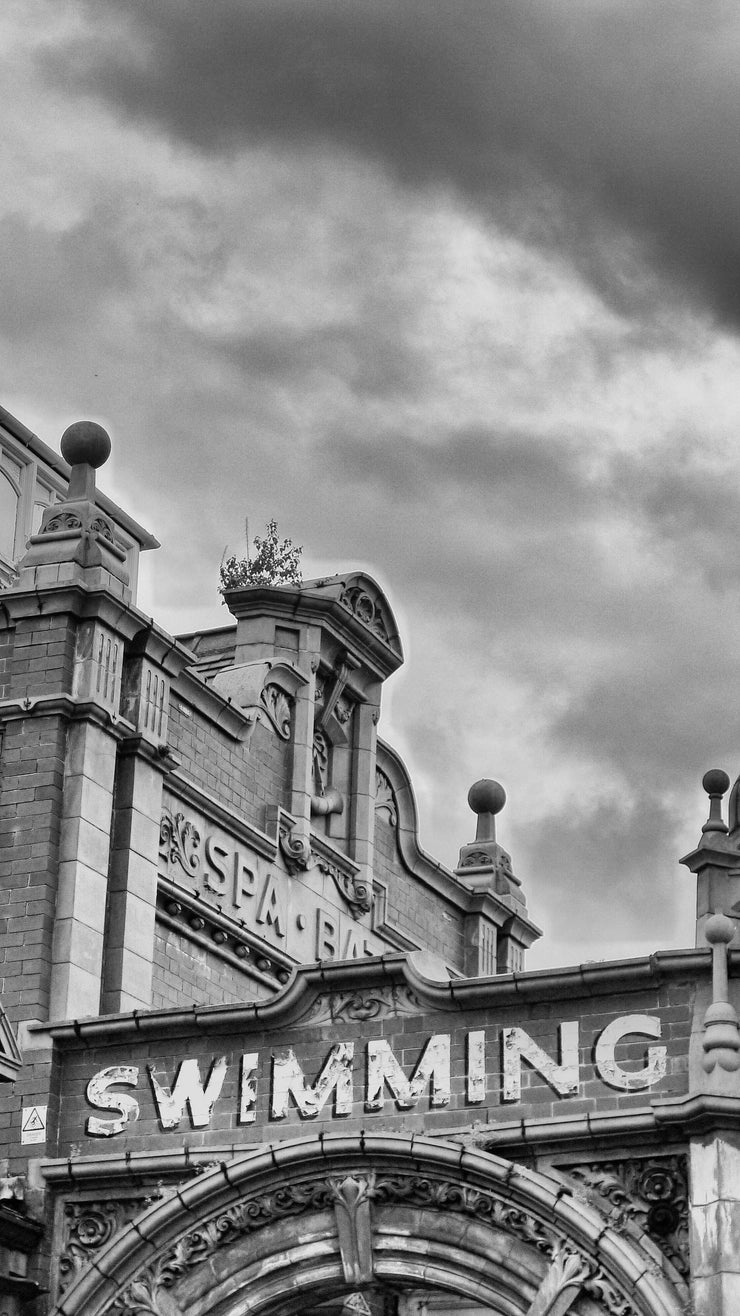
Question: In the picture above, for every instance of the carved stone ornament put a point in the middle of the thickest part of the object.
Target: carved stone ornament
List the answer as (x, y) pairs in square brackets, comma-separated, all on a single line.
[(179, 841), (279, 706), (361, 1006), (357, 601), (384, 797), (102, 527), (355, 890), (62, 521), (296, 850), (352, 1200), (88, 1226), (652, 1192)]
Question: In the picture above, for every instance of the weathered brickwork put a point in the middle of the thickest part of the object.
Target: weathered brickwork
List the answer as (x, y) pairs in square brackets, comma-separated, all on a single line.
[(407, 1030), (415, 910), (42, 656), (33, 756), (244, 777), (186, 971)]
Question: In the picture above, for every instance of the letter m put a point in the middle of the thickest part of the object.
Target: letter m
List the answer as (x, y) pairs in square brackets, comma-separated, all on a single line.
[(288, 1080), (432, 1069)]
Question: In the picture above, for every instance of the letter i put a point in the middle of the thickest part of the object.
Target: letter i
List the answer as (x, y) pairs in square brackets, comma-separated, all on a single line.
[(248, 1088)]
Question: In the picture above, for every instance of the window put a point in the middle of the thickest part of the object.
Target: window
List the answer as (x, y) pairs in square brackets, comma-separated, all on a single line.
[(9, 504)]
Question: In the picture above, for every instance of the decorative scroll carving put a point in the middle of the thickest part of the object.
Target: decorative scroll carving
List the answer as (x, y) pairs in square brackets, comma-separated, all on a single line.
[(279, 706), (357, 601), (384, 797), (652, 1192), (360, 1006), (61, 521), (179, 841), (296, 850), (568, 1270), (144, 1294), (101, 527), (148, 1292), (320, 762), (355, 890), (87, 1227)]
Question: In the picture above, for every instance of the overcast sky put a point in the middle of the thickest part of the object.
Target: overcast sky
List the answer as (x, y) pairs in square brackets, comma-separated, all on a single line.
[(452, 289)]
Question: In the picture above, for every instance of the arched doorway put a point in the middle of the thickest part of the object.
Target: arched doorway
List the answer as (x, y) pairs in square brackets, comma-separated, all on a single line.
[(356, 1224)]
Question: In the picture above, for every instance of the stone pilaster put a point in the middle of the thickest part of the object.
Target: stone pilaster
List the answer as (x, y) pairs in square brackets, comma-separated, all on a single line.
[(87, 807)]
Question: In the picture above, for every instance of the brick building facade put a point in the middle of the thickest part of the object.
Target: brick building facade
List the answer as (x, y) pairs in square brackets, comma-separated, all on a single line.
[(259, 1051)]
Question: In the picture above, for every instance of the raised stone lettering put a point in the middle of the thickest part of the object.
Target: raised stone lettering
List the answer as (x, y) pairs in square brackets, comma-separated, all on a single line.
[(288, 1080), (270, 909), (518, 1046), (125, 1106), (215, 858), (606, 1065), (188, 1090), (433, 1068), (248, 1088), (244, 881), (476, 1068)]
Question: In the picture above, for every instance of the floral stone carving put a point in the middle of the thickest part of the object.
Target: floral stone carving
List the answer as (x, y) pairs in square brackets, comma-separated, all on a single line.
[(651, 1192), (352, 1199), (179, 841), (88, 1226)]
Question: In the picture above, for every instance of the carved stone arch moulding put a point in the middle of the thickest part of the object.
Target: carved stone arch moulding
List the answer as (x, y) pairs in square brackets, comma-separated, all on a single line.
[(374, 1210)]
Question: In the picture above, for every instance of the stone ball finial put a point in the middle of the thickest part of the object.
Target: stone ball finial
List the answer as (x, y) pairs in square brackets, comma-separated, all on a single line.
[(718, 929), (715, 781), (85, 443), (486, 796)]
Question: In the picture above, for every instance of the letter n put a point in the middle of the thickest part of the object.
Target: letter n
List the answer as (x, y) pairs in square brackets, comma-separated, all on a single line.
[(518, 1046)]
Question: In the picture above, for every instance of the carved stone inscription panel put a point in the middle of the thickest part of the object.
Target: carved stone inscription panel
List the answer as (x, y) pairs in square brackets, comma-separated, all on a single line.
[(312, 909)]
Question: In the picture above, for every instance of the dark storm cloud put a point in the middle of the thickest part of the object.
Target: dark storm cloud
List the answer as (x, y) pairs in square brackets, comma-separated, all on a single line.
[(562, 123)]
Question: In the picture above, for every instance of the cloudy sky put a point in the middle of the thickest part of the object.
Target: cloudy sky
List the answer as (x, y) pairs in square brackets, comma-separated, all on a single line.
[(452, 289)]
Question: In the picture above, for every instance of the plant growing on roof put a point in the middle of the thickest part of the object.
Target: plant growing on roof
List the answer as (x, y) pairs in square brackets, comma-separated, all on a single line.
[(274, 562)]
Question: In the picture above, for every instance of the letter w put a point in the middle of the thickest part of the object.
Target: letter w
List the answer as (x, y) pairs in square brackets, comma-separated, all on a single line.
[(188, 1090)]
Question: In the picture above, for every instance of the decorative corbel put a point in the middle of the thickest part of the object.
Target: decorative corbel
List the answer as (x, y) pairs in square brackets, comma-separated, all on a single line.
[(343, 667), (354, 1229)]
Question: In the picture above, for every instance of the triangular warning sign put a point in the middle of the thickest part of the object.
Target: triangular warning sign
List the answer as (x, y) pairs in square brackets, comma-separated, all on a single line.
[(356, 1305), (33, 1122)]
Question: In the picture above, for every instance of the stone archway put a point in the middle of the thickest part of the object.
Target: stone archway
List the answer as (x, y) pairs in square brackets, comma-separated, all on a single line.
[(332, 1215)]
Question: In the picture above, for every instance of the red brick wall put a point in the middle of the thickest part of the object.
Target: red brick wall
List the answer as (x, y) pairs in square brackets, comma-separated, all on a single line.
[(412, 908), (244, 777), (407, 1033), (185, 971)]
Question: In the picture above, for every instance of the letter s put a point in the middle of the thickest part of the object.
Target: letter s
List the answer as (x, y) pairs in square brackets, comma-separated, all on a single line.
[(125, 1106)]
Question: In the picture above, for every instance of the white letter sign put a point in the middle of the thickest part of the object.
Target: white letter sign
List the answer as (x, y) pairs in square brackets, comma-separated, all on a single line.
[(614, 1074), (519, 1046), (126, 1107)]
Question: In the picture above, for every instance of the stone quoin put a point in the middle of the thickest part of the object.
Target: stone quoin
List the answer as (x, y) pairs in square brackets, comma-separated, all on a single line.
[(259, 1052)]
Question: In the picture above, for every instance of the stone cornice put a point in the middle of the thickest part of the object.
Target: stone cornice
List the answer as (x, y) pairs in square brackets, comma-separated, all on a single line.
[(189, 688), (65, 705), (322, 978), (317, 603)]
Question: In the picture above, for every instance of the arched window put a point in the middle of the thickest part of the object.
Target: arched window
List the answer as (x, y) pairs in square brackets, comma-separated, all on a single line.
[(9, 504)]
